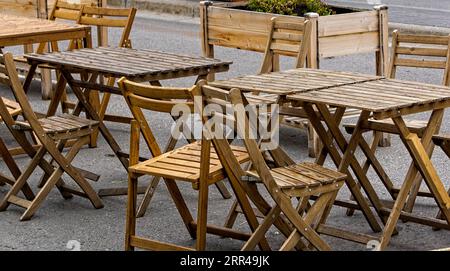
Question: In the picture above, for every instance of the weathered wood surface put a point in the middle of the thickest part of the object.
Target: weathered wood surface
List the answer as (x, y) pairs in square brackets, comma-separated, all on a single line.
[(35, 8), (341, 34), (16, 30), (131, 63), (386, 96), (293, 81)]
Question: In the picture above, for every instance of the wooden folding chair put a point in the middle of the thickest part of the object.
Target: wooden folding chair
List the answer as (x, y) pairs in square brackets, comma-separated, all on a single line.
[(136, 94), (196, 163), (283, 183), (52, 133), (286, 38), (412, 51), (290, 39)]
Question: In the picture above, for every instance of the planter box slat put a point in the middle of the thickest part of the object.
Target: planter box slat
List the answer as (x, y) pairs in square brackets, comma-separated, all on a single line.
[(348, 44), (246, 20), (237, 38), (343, 24)]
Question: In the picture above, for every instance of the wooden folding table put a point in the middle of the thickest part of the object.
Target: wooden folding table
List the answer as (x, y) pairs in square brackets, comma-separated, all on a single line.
[(325, 96), (383, 99), (17, 30), (139, 65)]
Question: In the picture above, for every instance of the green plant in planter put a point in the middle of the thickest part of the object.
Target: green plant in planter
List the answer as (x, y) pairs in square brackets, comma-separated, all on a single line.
[(289, 7)]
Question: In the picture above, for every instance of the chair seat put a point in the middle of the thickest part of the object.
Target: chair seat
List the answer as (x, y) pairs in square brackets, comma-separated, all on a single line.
[(304, 176), (184, 164), (388, 126), (64, 124), (12, 106)]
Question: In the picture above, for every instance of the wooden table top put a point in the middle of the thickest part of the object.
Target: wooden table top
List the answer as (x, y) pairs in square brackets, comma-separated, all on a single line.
[(293, 81), (383, 97), (16, 27), (131, 63), (343, 89)]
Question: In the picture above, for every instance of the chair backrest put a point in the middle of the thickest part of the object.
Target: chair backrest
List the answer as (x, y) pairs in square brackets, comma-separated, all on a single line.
[(160, 99), (65, 11), (216, 98), (286, 38), (420, 51), (109, 17)]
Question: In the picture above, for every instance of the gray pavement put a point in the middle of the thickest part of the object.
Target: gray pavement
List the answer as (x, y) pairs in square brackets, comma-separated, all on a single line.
[(59, 221)]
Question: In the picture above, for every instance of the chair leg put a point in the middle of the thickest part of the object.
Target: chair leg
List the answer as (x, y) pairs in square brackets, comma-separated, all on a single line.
[(223, 189), (95, 101), (303, 205), (385, 140), (182, 208), (22, 180), (77, 177), (130, 224), (232, 215), (301, 226), (202, 215), (60, 184), (440, 215), (148, 197), (14, 169), (314, 143), (55, 177), (42, 194), (260, 232), (319, 207)]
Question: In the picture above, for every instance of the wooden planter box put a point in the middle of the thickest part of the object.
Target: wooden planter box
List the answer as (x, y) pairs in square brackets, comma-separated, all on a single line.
[(333, 35), (36, 8)]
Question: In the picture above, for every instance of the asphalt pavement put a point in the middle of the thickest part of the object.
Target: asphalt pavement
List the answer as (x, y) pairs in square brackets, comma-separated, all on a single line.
[(59, 221)]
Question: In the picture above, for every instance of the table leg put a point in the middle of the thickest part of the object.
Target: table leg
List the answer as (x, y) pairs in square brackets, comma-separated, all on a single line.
[(433, 127), (57, 96), (423, 164), (29, 78), (92, 113), (327, 139)]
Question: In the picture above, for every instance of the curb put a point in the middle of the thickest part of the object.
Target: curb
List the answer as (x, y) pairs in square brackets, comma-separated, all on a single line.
[(190, 8)]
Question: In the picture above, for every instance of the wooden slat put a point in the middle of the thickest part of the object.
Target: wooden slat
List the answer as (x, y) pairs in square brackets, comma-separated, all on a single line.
[(348, 23), (378, 96), (425, 39), (420, 63), (19, 201), (66, 14), (292, 81), (418, 51), (348, 44), (130, 62), (283, 48), (103, 22), (289, 25), (287, 36), (122, 12)]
